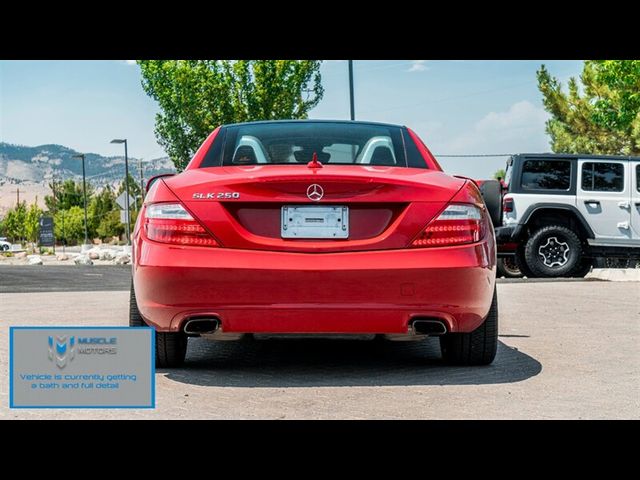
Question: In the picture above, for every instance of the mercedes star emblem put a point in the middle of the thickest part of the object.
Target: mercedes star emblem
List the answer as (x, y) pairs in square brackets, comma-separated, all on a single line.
[(315, 192)]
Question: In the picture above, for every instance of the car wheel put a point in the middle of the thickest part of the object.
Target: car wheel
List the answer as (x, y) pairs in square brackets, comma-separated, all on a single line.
[(171, 347), (508, 267), (553, 251), (4, 248), (474, 348)]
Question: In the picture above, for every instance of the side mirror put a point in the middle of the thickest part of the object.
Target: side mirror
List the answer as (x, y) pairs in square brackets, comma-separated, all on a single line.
[(153, 179)]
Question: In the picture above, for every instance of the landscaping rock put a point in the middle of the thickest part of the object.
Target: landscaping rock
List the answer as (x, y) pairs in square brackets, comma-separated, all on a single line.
[(94, 255), (83, 260), (34, 260), (122, 258), (21, 255), (108, 254), (62, 257)]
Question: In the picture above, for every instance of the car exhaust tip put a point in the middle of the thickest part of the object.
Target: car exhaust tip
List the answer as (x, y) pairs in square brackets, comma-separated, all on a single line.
[(429, 327), (201, 326)]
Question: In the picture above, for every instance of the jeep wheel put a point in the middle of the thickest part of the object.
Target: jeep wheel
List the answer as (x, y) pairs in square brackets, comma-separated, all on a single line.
[(553, 251), (583, 268), (522, 263), (507, 267)]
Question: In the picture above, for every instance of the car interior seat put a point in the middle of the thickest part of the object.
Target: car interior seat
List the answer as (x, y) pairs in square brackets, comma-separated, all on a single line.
[(382, 156), (245, 155)]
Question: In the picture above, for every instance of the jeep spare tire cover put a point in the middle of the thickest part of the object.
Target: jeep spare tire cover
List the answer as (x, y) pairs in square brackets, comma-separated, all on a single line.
[(492, 195)]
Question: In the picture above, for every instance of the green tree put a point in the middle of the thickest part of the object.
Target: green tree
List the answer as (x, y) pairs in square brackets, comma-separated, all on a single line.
[(134, 188), (599, 114), (32, 222), (100, 206), (67, 194), (110, 225), (196, 96), (500, 173), (69, 224), (14, 222)]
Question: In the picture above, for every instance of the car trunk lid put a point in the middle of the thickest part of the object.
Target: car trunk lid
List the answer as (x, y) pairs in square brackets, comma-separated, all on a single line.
[(243, 206)]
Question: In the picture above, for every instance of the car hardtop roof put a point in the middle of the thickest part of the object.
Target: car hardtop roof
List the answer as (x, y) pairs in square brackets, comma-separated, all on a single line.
[(359, 122), (574, 156)]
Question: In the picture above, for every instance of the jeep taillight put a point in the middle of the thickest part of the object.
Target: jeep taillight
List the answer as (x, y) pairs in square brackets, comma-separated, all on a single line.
[(458, 224), (507, 205), (171, 223)]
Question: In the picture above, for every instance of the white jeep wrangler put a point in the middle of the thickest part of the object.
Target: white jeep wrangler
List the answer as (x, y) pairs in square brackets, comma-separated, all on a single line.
[(560, 212)]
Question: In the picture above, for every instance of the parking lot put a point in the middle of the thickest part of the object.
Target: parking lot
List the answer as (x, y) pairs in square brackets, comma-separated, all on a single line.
[(568, 349)]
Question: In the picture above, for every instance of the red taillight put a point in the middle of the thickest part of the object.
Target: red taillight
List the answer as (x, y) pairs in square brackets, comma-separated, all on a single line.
[(456, 225), (171, 223), (507, 205)]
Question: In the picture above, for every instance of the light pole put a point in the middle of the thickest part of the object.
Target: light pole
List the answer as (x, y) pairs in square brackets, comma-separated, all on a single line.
[(84, 192), (126, 185), (351, 102)]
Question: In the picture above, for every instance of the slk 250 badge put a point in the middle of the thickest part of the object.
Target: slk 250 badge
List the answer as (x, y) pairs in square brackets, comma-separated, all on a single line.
[(216, 196)]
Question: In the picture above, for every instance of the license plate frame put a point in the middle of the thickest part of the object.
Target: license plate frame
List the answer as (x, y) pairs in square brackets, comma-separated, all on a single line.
[(320, 222)]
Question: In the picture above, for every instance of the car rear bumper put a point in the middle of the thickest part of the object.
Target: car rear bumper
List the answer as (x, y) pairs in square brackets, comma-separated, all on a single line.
[(277, 292)]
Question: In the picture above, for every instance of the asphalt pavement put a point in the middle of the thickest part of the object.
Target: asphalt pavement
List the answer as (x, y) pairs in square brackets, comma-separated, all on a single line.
[(75, 278), (566, 350), (64, 278)]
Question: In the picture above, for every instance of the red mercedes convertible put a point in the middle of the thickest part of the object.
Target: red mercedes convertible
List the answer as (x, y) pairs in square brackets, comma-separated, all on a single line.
[(315, 227)]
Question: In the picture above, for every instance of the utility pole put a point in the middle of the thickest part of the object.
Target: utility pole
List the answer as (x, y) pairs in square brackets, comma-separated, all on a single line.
[(126, 186), (351, 101), (55, 209), (84, 192), (17, 192)]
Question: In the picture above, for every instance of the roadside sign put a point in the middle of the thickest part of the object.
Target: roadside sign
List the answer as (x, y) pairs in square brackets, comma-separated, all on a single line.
[(122, 198), (46, 232), (123, 216)]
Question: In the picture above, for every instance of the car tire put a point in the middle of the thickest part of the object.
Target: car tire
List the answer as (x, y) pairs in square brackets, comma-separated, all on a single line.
[(135, 318), (171, 347), (507, 267), (4, 248), (474, 348), (583, 268), (553, 251), (491, 191)]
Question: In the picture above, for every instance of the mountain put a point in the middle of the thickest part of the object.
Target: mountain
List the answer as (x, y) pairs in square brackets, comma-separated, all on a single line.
[(20, 164)]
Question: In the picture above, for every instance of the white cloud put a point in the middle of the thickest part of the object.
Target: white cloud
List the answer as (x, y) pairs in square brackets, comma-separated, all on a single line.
[(418, 66), (519, 129), (130, 62)]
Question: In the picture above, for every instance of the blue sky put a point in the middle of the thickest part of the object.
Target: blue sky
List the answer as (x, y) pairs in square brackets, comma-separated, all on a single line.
[(457, 107)]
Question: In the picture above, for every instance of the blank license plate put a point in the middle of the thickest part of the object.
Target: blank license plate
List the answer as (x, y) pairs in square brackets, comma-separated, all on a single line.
[(314, 221)]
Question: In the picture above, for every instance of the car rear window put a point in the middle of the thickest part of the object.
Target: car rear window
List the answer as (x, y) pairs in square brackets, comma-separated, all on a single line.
[(285, 143), (602, 177), (546, 175)]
